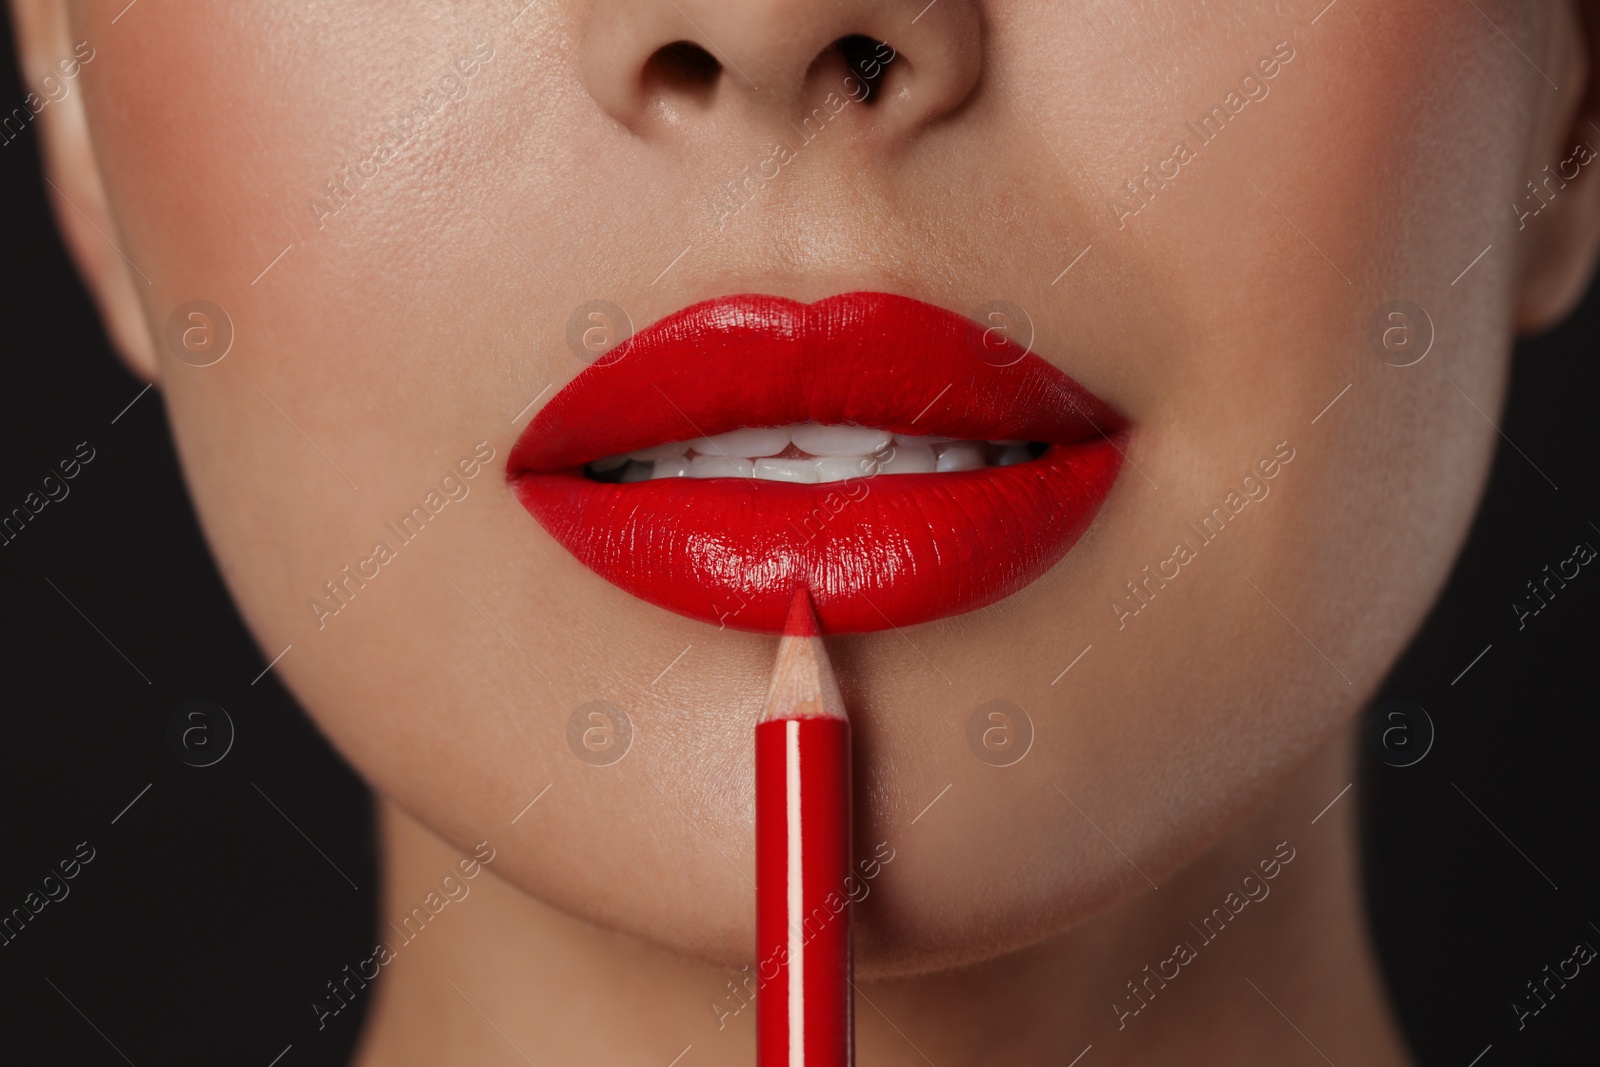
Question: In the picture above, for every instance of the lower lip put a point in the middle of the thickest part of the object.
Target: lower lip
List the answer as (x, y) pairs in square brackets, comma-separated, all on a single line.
[(887, 551)]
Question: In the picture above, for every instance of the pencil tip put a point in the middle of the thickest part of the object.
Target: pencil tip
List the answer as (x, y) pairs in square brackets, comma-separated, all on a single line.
[(803, 685), (802, 617)]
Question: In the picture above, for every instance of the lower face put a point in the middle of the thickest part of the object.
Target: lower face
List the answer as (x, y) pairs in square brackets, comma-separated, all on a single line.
[(1221, 621)]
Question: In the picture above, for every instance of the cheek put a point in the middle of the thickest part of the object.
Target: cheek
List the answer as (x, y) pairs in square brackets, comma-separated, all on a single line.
[(1377, 168), (1376, 171), (1397, 162), (370, 353), (341, 402)]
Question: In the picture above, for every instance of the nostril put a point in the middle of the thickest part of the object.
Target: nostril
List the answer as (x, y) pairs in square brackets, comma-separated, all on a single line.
[(682, 69), (868, 59)]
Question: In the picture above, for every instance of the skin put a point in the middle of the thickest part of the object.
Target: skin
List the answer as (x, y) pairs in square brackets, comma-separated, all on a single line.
[(1196, 736)]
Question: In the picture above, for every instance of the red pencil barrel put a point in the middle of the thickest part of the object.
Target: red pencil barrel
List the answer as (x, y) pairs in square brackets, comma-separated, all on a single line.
[(803, 998)]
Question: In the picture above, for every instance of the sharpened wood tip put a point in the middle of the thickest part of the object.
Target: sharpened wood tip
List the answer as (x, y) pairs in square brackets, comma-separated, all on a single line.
[(803, 685)]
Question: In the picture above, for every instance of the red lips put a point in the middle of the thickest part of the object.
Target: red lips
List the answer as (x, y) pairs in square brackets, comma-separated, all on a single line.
[(875, 552)]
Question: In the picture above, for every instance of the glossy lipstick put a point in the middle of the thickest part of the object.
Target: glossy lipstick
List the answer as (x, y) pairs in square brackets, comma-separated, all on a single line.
[(875, 552)]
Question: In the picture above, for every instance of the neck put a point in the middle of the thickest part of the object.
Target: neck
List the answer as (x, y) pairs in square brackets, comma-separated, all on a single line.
[(1208, 969)]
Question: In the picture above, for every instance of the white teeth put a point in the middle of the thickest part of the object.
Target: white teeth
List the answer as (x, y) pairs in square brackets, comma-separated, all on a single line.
[(786, 470), (719, 467), (839, 468), (807, 454), (960, 456), (676, 467), (839, 440), (750, 443), (909, 459)]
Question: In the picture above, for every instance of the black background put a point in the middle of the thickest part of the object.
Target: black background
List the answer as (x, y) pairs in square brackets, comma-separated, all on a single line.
[(207, 922)]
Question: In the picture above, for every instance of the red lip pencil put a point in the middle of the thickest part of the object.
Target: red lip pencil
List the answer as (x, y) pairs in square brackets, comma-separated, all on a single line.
[(804, 1015)]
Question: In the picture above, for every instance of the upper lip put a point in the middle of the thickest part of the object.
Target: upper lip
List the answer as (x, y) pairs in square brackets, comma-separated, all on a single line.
[(864, 359), (902, 549)]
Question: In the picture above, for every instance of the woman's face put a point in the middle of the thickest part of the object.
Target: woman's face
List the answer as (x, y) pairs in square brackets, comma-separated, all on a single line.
[(1230, 222)]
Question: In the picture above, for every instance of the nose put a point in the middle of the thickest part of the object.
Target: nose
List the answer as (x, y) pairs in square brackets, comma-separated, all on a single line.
[(656, 65)]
